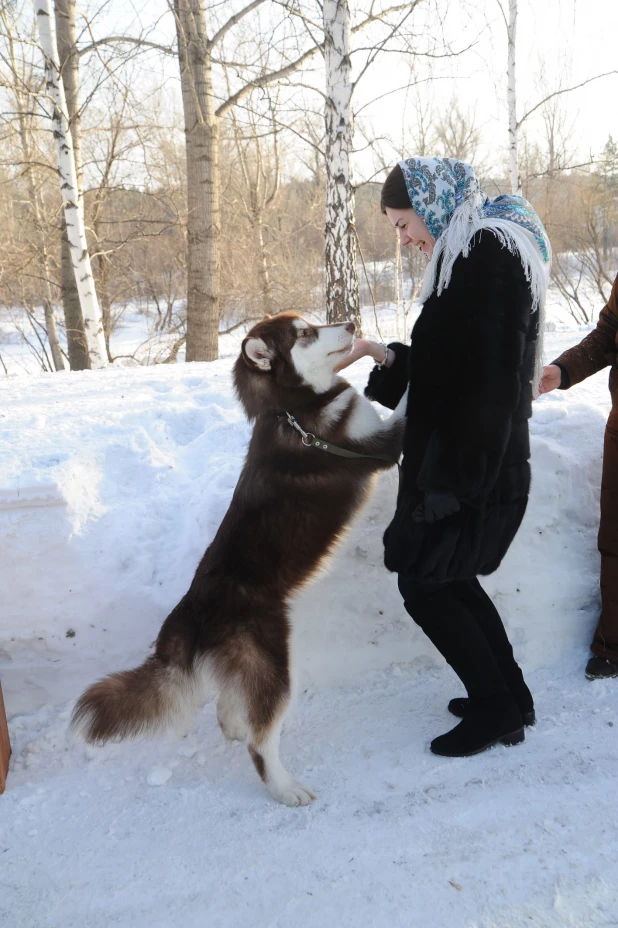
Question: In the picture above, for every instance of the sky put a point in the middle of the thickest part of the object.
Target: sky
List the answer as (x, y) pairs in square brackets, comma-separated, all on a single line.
[(560, 43)]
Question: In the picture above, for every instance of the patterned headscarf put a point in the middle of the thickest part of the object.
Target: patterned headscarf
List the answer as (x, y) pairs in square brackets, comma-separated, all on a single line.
[(446, 194)]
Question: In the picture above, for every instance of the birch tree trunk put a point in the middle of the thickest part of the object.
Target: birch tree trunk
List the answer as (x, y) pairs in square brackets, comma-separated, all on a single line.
[(101, 260), (48, 305), (266, 290), (340, 236), (25, 107), (72, 202), (102, 263), (512, 100), (69, 65), (202, 150)]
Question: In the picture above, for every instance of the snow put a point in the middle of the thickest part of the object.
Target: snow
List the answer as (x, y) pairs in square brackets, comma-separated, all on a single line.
[(158, 776), (112, 483), (527, 833)]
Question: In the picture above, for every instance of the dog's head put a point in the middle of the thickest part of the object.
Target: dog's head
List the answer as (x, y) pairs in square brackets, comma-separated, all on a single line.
[(286, 353)]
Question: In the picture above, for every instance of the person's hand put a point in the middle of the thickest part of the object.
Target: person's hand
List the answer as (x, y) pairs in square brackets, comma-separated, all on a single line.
[(552, 375), (438, 505), (361, 348)]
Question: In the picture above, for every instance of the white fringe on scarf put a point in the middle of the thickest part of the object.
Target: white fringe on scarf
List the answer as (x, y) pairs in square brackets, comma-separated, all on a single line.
[(467, 220)]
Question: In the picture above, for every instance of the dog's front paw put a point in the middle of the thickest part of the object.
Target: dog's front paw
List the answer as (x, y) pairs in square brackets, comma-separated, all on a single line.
[(293, 794)]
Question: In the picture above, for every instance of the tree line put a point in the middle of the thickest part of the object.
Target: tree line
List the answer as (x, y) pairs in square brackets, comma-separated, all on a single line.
[(241, 201)]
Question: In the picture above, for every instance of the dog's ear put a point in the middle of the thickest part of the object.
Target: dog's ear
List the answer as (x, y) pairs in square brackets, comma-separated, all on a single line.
[(256, 353)]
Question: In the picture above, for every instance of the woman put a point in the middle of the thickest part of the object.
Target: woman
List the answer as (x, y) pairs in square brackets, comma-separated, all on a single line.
[(596, 351), (470, 370)]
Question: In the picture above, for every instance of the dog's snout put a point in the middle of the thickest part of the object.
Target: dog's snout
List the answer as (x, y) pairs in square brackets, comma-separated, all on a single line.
[(350, 327)]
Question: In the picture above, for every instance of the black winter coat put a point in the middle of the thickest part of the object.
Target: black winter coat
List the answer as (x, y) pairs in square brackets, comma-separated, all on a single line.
[(470, 369)]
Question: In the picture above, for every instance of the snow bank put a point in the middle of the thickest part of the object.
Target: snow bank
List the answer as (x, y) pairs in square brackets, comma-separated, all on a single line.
[(112, 484)]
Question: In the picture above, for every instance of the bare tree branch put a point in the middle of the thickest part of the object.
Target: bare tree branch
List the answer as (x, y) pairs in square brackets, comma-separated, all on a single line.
[(126, 40), (557, 93), (267, 79), (232, 22)]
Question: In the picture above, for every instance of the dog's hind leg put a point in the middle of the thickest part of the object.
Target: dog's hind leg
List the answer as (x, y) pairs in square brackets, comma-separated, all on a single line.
[(231, 714), (252, 669), (264, 751), (267, 693)]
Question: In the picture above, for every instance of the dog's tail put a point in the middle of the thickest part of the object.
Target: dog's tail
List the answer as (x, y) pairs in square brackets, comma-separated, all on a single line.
[(162, 692)]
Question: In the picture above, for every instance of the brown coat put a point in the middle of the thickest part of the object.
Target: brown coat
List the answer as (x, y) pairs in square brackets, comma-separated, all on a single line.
[(596, 351)]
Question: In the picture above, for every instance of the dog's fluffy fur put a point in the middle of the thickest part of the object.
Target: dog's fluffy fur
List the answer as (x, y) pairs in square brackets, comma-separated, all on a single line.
[(290, 506)]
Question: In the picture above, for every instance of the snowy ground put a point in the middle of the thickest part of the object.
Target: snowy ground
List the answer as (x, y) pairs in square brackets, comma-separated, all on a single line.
[(111, 485), (397, 836)]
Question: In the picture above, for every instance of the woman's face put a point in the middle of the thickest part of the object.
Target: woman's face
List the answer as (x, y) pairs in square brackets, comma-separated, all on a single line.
[(412, 230)]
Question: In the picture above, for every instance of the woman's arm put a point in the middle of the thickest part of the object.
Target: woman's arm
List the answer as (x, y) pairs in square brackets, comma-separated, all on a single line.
[(387, 385), (364, 348), (388, 382), (595, 351)]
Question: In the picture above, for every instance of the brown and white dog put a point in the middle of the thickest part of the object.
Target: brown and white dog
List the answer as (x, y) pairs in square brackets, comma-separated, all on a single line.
[(290, 506)]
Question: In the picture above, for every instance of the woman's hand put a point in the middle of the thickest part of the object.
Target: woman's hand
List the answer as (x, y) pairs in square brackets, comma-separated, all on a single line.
[(363, 348), (552, 375)]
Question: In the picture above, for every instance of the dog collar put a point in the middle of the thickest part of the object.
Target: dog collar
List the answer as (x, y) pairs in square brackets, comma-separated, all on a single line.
[(309, 440)]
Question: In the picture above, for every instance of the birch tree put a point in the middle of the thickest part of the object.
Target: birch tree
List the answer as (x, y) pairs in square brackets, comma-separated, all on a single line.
[(68, 55), (202, 151), (24, 95), (510, 23), (196, 55), (342, 300), (69, 189), (200, 49), (339, 231), (512, 100), (515, 124)]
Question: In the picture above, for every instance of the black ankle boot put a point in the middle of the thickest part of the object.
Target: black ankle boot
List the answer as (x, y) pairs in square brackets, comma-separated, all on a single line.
[(488, 721), (460, 706), (447, 614)]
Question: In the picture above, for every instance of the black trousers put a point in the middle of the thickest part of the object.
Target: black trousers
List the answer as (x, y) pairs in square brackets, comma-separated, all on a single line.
[(465, 626)]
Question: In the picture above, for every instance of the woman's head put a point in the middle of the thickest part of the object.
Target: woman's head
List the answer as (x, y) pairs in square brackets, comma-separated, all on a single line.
[(395, 204), (423, 193)]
